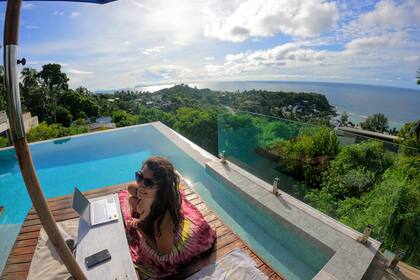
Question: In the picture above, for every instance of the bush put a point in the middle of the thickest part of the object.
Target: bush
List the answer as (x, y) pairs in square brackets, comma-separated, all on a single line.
[(356, 169), (63, 116), (3, 142), (122, 118), (44, 131), (199, 126), (377, 122), (308, 155)]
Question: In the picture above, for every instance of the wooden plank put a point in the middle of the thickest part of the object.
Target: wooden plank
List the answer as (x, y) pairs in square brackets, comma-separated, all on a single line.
[(28, 235), (26, 243), (17, 267), (22, 251), (21, 275), (18, 263), (20, 258)]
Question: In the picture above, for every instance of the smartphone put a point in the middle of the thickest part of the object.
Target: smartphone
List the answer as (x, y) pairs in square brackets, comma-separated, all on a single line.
[(97, 258)]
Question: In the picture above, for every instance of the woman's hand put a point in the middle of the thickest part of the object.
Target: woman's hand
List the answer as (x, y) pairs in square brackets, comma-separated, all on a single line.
[(134, 223), (144, 206), (146, 193)]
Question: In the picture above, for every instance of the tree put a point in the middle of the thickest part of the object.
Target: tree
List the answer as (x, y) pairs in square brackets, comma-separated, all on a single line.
[(377, 122), (344, 119), (356, 169), (52, 77), (63, 116), (418, 76), (29, 82), (409, 136), (200, 126), (55, 83), (307, 156), (38, 103), (29, 78), (122, 118)]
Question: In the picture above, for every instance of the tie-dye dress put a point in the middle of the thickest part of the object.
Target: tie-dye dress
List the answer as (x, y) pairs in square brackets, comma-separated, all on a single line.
[(194, 236)]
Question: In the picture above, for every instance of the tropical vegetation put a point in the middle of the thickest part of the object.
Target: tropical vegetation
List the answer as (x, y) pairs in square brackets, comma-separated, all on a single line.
[(358, 184)]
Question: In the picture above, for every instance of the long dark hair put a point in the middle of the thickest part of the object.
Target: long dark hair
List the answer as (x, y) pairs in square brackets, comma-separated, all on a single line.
[(167, 197)]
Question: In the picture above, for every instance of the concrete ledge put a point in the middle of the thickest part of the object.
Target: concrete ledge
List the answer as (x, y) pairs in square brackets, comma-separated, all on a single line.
[(350, 259)]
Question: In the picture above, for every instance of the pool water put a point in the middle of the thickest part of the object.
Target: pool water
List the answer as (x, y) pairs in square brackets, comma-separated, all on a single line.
[(107, 158)]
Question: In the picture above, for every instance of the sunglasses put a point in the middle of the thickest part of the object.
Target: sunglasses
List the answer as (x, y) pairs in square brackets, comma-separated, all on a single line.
[(147, 182)]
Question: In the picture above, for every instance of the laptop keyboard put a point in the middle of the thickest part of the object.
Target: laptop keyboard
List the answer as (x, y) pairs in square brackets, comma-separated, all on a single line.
[(99, 211)]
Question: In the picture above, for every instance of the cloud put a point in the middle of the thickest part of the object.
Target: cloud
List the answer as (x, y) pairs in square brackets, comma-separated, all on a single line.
[(27, 6), (170, 72), (153, 50), (31, 26), (263, 18), (389, 14), (289, 54), (78, 72), (75, 14), (302, 39), (376, 43), (58, 13)]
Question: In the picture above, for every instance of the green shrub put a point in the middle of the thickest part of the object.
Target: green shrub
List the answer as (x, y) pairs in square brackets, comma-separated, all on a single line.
[(122, 118), (356, 169), (44, 131), (3, 142), (307, 156)]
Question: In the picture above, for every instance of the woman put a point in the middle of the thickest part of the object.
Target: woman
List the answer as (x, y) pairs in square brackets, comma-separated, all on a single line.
[(165, 229)]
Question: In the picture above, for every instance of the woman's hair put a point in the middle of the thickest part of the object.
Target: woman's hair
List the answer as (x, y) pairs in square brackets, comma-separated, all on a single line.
[(167, 197)]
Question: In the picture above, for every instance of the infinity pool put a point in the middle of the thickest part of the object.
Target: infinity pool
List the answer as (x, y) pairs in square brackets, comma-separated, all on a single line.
[(102, 159)]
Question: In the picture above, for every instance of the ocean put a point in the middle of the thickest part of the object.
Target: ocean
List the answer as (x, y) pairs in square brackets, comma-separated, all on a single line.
[(399, 105)]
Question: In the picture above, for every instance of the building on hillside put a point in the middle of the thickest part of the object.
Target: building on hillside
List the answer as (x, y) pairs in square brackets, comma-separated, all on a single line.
[(102, 123), (29, 122)]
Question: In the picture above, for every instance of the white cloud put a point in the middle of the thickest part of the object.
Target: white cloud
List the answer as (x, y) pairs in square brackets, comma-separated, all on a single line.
[(170, 72), (375, 43), (31, 26), (27, 6), (289, 54), (174, 48), (75, 14), (58, 13), (153, 50), (389, 14), (78, 72), (262, 18)]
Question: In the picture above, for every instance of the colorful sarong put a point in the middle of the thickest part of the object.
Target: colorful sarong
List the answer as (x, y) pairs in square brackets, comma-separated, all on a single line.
[(194, 236)]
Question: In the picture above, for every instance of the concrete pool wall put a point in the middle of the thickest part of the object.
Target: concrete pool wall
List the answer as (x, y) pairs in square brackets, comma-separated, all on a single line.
[(350, 259)]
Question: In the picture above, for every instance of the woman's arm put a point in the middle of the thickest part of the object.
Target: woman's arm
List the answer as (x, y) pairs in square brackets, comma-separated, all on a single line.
[(165, 241)]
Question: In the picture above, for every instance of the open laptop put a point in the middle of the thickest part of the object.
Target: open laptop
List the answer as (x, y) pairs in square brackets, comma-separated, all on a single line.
[(96, 212)]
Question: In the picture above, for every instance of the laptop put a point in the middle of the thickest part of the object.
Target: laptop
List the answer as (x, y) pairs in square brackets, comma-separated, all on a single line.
[(96, 212)]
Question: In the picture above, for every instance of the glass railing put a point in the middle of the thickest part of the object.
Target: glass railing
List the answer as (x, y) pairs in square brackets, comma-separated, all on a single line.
[(355, 179)]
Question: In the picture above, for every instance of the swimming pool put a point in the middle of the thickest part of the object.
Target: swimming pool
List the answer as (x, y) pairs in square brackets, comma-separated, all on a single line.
[(106, 158)]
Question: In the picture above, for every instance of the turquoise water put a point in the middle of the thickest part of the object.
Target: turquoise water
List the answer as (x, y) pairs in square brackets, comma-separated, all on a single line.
[(108, 158)]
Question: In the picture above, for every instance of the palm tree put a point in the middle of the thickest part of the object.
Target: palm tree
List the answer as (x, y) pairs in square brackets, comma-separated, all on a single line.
[(415, 130), (418, 76), (30, 78)]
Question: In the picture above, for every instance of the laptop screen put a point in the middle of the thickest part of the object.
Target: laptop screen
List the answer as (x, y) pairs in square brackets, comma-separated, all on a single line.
[(81, 205)]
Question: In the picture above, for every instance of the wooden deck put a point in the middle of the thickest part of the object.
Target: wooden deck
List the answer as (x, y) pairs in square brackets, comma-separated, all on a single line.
[(18, 263)]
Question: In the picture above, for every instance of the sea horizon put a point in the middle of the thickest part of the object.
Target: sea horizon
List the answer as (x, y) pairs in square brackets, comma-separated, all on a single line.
[(399, 104)]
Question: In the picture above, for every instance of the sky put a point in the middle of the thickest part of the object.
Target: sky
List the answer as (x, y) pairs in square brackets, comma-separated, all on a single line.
[(129, 43)]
